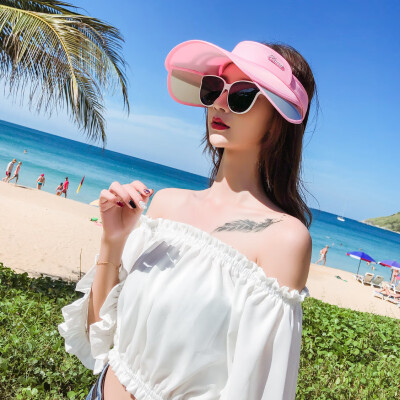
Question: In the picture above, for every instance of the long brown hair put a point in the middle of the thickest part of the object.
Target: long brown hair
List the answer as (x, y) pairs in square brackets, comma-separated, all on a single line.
[(281, 147)]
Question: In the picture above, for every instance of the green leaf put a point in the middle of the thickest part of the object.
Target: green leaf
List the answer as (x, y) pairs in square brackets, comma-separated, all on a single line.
[(62, 59)]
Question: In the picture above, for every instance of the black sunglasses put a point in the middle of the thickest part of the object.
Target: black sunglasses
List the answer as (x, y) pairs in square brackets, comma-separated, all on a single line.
[(241, 94)]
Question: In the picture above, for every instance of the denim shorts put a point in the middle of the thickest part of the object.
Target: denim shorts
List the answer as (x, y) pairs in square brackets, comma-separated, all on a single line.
[(96, 392)]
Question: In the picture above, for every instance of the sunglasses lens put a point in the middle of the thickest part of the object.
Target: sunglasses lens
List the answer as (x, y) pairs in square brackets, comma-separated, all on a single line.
[(185, 86), (211, 89), (241, 96)]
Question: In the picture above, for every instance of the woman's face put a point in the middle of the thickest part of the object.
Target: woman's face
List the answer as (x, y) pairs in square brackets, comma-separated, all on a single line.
[(245, 130)]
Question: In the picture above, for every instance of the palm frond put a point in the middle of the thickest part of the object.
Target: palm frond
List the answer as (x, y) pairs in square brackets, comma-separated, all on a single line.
[(62, 58), (46, 6)]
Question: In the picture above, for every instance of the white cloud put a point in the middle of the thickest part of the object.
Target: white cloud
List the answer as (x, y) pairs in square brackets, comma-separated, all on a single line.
[(166, 124)]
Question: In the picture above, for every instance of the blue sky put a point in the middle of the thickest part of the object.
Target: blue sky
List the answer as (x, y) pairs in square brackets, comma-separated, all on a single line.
[(351, 160)]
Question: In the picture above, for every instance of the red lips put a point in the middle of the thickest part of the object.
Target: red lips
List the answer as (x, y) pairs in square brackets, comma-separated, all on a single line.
[(218, 124)]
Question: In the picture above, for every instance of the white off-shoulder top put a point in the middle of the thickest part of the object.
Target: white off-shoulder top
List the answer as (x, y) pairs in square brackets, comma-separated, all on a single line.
[(192, 318)]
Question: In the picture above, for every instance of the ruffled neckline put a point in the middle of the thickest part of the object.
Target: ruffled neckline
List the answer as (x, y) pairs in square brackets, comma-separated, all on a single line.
[(243, 265)]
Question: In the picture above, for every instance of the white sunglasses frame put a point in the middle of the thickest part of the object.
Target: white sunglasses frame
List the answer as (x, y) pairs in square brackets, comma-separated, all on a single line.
[(227, 87)]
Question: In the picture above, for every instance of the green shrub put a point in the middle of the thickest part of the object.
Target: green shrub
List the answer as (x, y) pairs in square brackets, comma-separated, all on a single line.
[(348, 354), (33, 361), (345, 354)]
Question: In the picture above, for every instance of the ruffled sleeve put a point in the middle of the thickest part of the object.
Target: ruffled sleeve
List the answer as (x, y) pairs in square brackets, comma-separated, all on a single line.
[(92, 350), (264, 343)]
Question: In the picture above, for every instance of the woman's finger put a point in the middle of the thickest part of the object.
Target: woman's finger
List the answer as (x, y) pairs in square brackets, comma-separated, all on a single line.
[(105, 196), (139, 199), (107, 200), (142, 188), (120, 191)]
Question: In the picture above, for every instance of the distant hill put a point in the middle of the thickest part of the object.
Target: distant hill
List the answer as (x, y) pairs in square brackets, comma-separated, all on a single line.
[(392, 222)]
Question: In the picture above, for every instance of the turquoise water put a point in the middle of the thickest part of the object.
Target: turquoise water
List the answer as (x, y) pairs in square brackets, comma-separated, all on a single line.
[(58, 157)]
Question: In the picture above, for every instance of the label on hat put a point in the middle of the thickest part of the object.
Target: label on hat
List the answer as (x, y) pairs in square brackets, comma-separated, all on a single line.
[(276, 62)]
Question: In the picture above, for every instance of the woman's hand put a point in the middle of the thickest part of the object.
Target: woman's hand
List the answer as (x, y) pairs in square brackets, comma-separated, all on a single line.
[(120, 208)]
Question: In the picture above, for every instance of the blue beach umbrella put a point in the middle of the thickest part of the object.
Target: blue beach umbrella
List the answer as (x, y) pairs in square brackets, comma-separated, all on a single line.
[(390, 263), (360, 255)]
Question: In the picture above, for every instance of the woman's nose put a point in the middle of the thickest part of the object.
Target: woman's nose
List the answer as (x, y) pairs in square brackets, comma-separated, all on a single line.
[(221, 103)]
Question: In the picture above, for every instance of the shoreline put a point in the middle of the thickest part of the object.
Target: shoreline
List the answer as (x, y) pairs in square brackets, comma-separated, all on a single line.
[(50, 235)]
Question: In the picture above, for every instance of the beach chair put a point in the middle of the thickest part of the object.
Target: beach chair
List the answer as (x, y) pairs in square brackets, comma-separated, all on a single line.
[(396, 288), (391, 299), (377, 281), (388, 297), (380, 295), (366, 279)]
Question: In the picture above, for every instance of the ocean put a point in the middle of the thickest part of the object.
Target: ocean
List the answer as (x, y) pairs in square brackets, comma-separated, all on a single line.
[(58, 157)]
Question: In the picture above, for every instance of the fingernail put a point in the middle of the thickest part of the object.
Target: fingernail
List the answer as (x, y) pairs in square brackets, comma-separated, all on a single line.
[(147, 191), (120, 204), (142, 205), (132, 204)]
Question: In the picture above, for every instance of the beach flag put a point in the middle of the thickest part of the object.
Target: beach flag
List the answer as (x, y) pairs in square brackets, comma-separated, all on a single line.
[(80, 185)]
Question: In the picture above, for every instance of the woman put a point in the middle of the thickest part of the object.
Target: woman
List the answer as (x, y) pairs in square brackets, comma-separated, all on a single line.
[(387, 293), (395, 274), (59, 189), (201, 297), (40, 182)]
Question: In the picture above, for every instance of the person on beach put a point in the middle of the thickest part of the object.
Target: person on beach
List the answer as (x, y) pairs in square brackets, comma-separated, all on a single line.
[(389, 293), (16, 173), (202, 296), (40, 182), (395, 274), (9, 169), (65, 187), (369, 264), (322, 255), (59, 189)]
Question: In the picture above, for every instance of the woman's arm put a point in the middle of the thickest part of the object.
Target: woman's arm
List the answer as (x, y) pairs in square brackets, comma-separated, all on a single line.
[(106, 276), (120, 212)]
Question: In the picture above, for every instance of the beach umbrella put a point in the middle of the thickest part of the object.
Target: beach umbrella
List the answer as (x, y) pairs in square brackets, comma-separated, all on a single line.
[(95, 203), (390, 263), (360, 255)]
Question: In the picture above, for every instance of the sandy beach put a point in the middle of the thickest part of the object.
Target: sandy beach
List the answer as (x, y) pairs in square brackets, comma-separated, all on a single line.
[(43, 233)]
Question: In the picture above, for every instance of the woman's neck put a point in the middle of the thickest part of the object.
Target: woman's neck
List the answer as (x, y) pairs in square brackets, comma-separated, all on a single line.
[(238, 180)]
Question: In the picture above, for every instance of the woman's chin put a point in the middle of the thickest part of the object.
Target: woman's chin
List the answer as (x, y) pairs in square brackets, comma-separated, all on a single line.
[(218, 139), (219, 143)]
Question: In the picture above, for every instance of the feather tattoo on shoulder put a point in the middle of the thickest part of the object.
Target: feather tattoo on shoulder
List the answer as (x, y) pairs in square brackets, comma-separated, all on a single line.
[(246, 225)]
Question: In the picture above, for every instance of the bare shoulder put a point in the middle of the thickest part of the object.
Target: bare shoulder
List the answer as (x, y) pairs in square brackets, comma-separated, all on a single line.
[(165, 201), (285, 253)]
